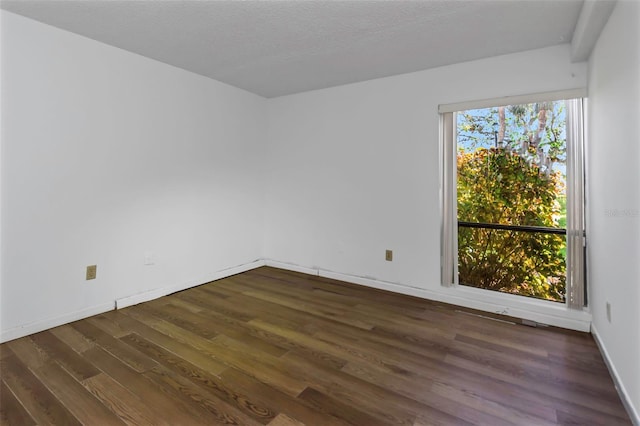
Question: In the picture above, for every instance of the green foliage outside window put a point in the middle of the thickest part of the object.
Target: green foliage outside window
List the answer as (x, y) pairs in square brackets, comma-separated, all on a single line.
[(512, 182)]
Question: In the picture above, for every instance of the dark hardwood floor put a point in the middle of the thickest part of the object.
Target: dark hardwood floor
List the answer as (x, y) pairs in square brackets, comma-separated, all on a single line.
[(281, 348)]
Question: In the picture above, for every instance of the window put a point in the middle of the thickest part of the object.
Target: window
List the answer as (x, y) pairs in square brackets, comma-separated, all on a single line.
[(513, 203)]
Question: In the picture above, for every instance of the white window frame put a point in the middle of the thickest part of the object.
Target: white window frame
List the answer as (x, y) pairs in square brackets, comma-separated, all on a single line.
[(576, 238)]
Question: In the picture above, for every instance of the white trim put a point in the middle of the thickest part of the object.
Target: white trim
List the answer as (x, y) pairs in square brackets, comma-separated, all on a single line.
[(45, 324), (514, 100), (35, 327), (448, 205), (531, 309), (291, 267), (575, 208), (164, 291), (622, 391)]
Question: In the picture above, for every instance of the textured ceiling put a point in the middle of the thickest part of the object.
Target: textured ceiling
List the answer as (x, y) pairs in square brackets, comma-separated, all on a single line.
[(274, 48)]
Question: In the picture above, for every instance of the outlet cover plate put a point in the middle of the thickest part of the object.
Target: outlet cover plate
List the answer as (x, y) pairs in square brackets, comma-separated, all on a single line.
[(92, 271)]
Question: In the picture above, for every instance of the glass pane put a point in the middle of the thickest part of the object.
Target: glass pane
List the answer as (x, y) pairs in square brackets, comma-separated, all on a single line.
[(511, 170), (524, 263)]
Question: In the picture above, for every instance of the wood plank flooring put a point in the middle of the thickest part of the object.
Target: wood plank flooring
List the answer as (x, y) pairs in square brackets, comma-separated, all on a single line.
[(281, 348)]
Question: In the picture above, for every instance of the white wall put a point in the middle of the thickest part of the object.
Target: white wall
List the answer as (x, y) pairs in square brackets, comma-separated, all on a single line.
[(614, 194), (107, 155), (354, 170)]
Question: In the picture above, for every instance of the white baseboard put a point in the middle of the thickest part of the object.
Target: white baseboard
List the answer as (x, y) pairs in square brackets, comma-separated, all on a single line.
[(622, 391), (291, 267), (38, 326), (35, 327), (528, 309), (561, 318), (164, 291)]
